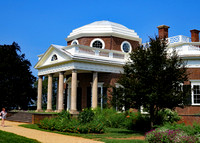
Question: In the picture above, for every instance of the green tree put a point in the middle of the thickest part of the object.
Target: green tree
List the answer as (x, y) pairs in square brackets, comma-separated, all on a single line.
[(45, 89), (152, 78), (16, 79)]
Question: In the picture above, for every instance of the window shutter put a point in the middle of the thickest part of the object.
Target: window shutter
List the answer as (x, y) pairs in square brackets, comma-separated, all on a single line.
[(187, 91)]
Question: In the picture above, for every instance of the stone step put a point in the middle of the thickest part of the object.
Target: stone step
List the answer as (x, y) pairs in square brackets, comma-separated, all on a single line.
[(20, 117)]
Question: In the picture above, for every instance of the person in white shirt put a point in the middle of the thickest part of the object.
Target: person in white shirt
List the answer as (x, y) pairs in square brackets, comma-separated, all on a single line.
[(3, 116)]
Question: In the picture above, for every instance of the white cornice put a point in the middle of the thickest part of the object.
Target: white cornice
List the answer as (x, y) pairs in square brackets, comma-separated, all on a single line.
[(104, 28)]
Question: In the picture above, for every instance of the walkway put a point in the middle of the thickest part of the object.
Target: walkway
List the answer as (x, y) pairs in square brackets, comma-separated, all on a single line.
[(42, 136)]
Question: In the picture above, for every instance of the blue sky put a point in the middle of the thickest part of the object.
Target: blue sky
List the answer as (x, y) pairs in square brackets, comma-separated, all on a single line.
[(36, 24)]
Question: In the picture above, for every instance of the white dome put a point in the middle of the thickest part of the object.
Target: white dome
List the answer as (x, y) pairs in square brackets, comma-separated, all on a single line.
[(104, 28)]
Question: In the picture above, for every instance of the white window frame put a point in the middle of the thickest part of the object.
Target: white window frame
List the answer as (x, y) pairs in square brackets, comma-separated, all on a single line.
[(194, 82), (128, 44), (99, 85), (74, 41), (97, 39)]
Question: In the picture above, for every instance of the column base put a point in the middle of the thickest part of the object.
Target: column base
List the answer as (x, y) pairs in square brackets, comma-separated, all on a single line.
[(39, 110), (59, 110), (49, 110), (74, 112)]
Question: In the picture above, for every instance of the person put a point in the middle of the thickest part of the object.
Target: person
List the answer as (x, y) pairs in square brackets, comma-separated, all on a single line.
[(3, 116)]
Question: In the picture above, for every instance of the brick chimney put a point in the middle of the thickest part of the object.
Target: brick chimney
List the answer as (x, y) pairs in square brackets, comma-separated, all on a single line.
[(163, 31), (194, 35)]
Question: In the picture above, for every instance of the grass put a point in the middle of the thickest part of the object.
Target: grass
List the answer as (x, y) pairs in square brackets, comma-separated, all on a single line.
[(6, 137), (108, 137)]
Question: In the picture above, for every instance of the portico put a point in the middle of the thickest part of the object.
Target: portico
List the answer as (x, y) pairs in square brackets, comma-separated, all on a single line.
[(70, 70)]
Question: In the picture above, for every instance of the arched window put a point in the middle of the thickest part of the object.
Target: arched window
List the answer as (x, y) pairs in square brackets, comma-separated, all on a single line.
[(74, 42), (54, 57), (97, 43)]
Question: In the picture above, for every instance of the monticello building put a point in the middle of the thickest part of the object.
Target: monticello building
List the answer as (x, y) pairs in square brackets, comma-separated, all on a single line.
[(94, 58)]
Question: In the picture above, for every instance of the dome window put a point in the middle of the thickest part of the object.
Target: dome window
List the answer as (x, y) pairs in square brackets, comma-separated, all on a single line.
[(126, 47), (74, 42), (54, 58), (97, 43)]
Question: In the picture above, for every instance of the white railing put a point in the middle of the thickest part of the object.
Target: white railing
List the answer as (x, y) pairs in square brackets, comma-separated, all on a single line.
[(177, 39), (186, 49), (89, 51)]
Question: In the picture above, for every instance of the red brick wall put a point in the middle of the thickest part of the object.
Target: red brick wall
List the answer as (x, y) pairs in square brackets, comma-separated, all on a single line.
[(189, 119), (111, 43), (188, 110), (84, 82), (194, 73), (194, 35)]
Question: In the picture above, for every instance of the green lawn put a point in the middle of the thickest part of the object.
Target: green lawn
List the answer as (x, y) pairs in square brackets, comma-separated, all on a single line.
[(6, 137), (110, 133)]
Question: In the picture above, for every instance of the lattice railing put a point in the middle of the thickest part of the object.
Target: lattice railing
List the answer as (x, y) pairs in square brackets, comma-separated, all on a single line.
[(179, 38)]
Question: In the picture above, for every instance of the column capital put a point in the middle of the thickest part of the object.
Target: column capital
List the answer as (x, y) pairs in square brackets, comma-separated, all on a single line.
[(74, 71), (61, 72), (40, 76)]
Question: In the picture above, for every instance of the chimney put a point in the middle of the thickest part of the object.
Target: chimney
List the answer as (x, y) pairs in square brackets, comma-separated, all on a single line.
[(163, 31), (194, 35)]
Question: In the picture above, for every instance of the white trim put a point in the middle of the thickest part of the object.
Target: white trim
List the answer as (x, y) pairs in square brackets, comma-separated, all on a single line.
[(97, 39), (194, 82), (128, 44), (104, 28), (142, 110), (74, 41)]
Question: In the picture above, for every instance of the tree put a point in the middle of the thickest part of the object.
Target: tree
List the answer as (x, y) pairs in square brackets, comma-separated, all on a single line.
[(16, 79), (152, 79), (45, 89)]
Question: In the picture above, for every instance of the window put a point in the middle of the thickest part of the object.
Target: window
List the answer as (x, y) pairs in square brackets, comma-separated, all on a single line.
[(196, 94), (54, 58), (74, 42), (126, 47), (97, 43), (195, 84)]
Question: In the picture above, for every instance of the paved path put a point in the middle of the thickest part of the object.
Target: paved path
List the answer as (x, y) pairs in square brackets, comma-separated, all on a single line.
[(42, 136)]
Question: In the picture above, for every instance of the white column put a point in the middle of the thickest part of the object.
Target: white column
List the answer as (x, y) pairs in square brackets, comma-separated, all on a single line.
[(61, 89), (94, 90), (39, 99), (73, 109), (49, 93)]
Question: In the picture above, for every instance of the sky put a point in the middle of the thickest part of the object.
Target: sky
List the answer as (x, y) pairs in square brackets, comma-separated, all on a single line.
[(36, 24)]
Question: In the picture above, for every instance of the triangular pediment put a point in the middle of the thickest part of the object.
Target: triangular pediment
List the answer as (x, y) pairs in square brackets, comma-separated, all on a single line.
[(54, 55)]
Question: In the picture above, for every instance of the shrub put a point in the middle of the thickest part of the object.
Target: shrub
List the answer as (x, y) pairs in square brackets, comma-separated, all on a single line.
[(110, 117), (64, 123), (166, 116), (169, 136), (48, 124), (137, 121), (86, 116), (64, 115)]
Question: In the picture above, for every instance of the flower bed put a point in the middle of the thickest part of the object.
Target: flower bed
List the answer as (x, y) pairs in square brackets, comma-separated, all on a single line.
[(169, 136)]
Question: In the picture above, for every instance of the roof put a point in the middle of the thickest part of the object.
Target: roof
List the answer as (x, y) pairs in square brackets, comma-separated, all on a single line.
[(104, 28)]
